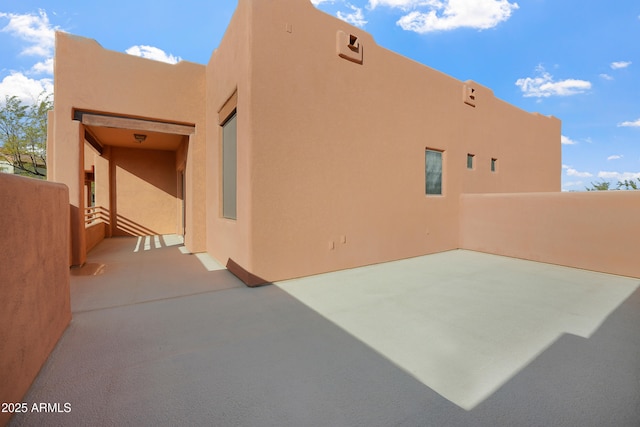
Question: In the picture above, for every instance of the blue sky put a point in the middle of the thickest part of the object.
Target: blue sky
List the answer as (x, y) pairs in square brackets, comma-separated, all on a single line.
[(576, 60)]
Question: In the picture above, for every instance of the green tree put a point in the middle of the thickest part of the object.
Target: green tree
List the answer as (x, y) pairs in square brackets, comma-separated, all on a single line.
[(23, 134), (628, 184), (599, 186)]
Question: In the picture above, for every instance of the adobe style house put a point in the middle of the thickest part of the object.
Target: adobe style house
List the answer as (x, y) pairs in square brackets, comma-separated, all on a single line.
[(304, 147)]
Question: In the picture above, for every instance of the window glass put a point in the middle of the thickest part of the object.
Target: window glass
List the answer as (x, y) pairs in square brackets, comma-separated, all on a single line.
[(494, 164), (433, 168), (229, 166), (469, 161)]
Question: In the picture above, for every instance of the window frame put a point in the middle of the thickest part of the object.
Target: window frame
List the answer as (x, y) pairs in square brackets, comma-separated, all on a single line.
[(229, 160), (440, 186), (471, 161)]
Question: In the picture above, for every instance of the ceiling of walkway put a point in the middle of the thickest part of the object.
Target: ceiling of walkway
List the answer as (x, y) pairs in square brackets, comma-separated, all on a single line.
[(131, 132), (126, 138)]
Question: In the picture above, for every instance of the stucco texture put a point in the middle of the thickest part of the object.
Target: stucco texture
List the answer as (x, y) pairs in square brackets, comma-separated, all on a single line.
[(145, 189), (34, 283), (591, 230), (331, 153), (90, 78)]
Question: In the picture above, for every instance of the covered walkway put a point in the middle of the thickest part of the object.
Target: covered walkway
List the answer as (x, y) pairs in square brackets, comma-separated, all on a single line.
[(460, 338)]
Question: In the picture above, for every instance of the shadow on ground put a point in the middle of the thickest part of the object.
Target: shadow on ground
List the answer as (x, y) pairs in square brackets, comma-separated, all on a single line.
[(209, 351)]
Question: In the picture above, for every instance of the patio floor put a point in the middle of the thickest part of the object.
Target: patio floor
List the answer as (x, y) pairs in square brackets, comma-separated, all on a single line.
[(459, 338)]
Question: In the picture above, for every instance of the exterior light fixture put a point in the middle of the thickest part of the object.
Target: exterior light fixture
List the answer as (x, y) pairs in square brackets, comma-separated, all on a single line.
[(139, 137)]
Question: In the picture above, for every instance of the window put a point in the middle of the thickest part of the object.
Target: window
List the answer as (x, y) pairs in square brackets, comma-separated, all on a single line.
[(433, 172), (470, 161), (494, 165), (229, 167)]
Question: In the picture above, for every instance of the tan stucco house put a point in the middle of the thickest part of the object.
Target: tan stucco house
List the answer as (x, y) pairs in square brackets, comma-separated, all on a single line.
[(304, 147)]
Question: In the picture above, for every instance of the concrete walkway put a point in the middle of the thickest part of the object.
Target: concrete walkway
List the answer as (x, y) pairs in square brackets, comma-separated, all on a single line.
[(452, 339)]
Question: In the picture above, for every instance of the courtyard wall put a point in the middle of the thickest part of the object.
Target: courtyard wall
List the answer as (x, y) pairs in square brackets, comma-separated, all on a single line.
[(34, 279), (591, 230)]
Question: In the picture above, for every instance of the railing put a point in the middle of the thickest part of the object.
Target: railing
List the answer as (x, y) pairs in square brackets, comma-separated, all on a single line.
[(95, 214)]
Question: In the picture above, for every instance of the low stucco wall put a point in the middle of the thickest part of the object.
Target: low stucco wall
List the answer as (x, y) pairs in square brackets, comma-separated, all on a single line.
[(593, 230), (94, 235), (34, 283)]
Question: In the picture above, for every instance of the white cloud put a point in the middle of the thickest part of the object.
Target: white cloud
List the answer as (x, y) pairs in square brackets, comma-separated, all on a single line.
[(154, 53), (434, 15), (565, 140), (633, 124), (573, 172), (606, 76), (38, 38), (43, 67), (356, 17), (25, 88), (565, 166), (36, 30), (619, 176), (406, 4), (620, 64), (544, 85), (615, 157)]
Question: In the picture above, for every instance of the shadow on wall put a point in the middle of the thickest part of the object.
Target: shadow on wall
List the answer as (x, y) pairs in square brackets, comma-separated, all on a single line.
[(155, 167), (145, 192), (127, 227), (96, 214)]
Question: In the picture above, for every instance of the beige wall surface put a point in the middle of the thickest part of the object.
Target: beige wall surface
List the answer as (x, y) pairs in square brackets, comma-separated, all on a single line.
[(144, 183), (35, 307), (228, 73), (95, 234), (103, 186), (331, 140), (336, 149), (592, 230), (88, 77)]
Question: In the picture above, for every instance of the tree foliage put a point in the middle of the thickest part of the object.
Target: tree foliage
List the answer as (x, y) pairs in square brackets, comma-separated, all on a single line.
[(23, 134), (627, 184), (599, 186)]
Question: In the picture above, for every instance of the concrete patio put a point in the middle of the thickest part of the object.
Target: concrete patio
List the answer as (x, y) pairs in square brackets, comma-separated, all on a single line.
[(460, 338)]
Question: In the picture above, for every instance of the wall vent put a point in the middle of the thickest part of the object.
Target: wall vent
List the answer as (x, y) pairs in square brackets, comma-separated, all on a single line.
[(469, 95), (348, 46)]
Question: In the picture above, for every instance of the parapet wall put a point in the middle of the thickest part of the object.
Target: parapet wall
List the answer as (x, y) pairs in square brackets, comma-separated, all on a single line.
[(593, 230), (34, 279)]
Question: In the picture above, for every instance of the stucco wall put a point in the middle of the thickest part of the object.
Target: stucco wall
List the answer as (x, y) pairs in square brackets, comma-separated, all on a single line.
[(145, 186), (95, 234), (592, 230), (34, 282), (102, 188), (91, 78), (229, 72), (330, 157), (337, 148)]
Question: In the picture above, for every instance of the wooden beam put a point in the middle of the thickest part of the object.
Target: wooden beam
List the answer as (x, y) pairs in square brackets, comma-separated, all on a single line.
[(93, 141), (136, 124)]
